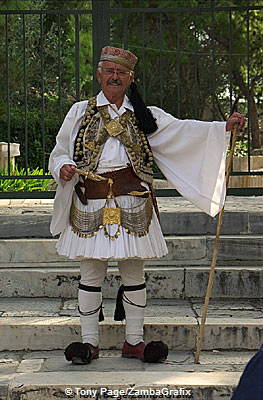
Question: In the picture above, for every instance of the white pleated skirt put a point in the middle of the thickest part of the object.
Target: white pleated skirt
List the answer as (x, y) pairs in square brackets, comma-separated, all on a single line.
[(103, 248)]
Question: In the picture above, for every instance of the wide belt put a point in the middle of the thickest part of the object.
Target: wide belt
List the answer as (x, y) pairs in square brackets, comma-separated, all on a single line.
[(125, 182)]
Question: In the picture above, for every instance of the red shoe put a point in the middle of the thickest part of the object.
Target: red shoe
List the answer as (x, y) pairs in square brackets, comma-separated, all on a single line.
[(154, 352), (133, 351), (81, 353)]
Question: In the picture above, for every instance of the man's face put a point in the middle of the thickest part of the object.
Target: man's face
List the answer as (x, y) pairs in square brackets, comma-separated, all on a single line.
[(114, 79)]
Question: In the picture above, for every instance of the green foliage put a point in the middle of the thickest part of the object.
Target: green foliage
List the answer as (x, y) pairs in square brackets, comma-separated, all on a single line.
[(41, 83), (36, 135), (186, 61), (85, 59), (241, 148), (25, 185)]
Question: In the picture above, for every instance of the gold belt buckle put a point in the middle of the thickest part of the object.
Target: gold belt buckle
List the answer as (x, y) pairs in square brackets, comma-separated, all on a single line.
[(111, 216)]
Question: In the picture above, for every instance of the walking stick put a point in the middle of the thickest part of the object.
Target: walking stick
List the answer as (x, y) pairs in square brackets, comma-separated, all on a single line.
[(200, 331)]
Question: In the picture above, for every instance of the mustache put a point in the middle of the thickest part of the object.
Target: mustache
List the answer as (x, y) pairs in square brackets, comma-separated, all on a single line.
[(115, 82)]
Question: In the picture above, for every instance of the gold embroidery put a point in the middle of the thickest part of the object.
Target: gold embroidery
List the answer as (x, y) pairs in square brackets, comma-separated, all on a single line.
[(95, 129), (114, 128), (136, 148), (90, 145)]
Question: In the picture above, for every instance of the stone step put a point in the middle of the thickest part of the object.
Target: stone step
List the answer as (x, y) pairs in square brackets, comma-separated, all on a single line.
[(47, 375), (49, 324), (163, 282), (35, 223), (198, 223), (194, 250)]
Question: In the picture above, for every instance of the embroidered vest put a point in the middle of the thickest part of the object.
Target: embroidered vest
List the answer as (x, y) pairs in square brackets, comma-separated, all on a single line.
[(96, 127)]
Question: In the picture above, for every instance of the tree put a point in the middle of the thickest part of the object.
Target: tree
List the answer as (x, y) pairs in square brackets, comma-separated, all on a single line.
[(38, 73), (187, 59), (190, 58)]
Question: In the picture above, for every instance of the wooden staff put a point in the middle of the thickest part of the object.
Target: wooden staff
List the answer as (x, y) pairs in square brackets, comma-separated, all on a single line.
[(200, 331)]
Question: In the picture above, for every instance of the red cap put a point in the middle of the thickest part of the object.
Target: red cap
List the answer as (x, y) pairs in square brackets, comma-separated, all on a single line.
[(119, 56)]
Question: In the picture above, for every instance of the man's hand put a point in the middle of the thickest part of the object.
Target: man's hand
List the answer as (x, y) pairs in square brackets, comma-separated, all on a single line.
[(67, 172), (235, 120)]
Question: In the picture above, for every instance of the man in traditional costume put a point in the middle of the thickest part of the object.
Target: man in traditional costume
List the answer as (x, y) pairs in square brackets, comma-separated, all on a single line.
[(104, 207)]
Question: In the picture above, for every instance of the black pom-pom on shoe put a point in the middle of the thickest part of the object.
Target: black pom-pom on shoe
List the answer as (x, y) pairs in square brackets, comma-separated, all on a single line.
[(78, 353), (155, 352)]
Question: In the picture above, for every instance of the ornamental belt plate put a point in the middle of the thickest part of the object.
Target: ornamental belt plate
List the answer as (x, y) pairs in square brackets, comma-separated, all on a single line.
[(111, 216)]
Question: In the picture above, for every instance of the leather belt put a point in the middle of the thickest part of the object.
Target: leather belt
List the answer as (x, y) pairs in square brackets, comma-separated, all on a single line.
[(125, 182)]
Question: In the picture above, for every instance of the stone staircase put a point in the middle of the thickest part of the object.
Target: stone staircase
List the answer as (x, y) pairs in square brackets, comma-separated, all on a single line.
[(38, 308)]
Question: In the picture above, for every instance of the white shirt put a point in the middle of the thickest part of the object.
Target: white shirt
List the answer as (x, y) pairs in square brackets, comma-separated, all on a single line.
[(191, 155), (113, 155)]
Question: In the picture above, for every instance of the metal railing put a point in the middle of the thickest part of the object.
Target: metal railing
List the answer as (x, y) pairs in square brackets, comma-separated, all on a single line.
[(45, 67)]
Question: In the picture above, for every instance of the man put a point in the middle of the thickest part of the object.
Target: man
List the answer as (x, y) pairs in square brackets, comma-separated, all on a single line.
[(104, 206)]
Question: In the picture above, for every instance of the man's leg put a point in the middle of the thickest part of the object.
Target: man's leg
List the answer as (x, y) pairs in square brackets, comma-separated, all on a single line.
[(134, 303), (92, 274), (90, 303)]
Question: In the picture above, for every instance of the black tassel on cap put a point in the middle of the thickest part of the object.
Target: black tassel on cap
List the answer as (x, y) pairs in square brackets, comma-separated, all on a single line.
[(146, 120), (155, 351), (119, 314)]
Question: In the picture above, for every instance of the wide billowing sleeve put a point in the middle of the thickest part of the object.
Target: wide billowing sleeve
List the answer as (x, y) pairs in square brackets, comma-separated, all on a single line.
[(60, 155), (62, 152), (191, 155)]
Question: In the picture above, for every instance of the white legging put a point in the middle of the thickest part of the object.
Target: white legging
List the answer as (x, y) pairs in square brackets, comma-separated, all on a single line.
[(93, 273)]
